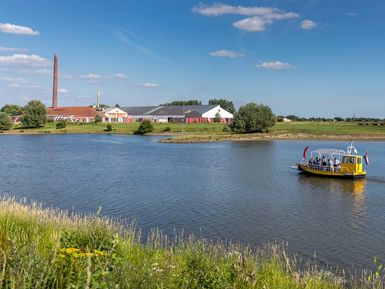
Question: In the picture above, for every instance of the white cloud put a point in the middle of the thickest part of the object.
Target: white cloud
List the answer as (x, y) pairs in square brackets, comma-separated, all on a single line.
[(19, 80), (226, 53), (24, 59), (275, 65), (148, 85), (16, 82), (90, 76), (17, 29), (308, 24), (13, 49), (221, 9), (261, 16), (352, 14), (252, 24), (62, 90), (44, 71), (120, 76)]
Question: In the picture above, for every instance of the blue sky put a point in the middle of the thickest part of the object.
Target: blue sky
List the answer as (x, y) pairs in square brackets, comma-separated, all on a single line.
[(303, 57)]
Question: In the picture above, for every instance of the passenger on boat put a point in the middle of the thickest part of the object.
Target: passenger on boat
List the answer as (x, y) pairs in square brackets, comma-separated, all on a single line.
[(324, 163), (337, 164), (331, 165)]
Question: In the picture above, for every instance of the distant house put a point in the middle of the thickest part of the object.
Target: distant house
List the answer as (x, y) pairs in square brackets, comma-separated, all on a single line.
[(115, 115), (16, 118), (72, 113), (179, 113)]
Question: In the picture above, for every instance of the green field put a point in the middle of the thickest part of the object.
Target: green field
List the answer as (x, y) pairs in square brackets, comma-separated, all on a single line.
[(218, 131), (327, 128), (46, 248), (124, 128)]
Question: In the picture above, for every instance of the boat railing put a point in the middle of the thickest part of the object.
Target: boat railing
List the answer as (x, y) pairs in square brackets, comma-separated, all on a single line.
[(328, 168)]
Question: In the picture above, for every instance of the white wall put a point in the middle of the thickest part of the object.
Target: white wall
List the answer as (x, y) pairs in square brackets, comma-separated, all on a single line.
[(212, 112)]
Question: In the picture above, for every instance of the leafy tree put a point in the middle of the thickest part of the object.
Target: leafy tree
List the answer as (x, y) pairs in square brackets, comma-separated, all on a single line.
[(117, 105), (225, 104), (98, 118), (5, 121), (217, 117), (183, 102), (144, 127), (35, 114), (12, 109), (104, 106), (253, 117), (293, 117)]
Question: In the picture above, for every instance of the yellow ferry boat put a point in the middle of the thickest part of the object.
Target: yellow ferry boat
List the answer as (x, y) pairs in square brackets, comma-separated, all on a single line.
[(334, 163)]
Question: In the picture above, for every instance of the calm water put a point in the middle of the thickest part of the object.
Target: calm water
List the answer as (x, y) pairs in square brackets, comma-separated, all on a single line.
[(229, 191)]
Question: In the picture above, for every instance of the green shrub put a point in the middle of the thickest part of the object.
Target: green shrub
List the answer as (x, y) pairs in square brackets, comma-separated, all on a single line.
[(108, 127), (98, 118), (226, 128), (144, 127), (61, 124), (5, 121), (167, 129)]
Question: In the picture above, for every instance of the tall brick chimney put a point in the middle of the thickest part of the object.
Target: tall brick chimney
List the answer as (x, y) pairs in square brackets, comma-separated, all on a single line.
[(54, 90)]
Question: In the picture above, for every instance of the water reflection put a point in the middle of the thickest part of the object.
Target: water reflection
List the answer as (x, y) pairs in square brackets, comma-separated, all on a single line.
[(353, 190)]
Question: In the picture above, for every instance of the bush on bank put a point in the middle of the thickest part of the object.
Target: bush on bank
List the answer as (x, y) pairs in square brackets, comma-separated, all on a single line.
[(46, 248), (5, 121), (145, 127)]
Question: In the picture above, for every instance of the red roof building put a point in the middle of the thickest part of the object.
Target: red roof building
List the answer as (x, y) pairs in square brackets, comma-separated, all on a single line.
[(72, 113)]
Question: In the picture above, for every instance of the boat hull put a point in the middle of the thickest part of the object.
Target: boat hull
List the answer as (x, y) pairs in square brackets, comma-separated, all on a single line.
[(304, 168)]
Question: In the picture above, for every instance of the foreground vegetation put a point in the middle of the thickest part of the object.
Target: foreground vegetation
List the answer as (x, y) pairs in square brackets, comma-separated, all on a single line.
[(45, 248)]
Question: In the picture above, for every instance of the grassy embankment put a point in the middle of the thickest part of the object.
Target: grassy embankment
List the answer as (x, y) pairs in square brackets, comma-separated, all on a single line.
[(206, 132), (45, 248)]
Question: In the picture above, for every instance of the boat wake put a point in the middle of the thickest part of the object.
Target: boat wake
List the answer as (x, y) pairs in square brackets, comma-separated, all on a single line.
[(380, 180)]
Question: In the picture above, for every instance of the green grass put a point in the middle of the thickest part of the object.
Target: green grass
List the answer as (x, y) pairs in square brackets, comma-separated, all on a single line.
[(46, 248), (214, 132), (126, 128), (327, 128)]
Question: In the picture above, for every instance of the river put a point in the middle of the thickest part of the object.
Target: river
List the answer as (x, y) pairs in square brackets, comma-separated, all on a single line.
[(232, 191)]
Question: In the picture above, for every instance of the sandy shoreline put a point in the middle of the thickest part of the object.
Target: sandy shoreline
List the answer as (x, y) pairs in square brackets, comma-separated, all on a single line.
[(264, 137)]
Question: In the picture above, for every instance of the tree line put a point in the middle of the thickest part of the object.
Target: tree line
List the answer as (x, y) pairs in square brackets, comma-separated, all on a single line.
[(34, 114), (291, 117)]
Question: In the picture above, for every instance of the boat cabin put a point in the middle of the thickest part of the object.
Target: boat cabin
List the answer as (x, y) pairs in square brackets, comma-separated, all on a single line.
[(351, 163)]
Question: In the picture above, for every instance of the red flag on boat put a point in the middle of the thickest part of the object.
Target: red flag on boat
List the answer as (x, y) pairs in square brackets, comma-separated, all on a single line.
[(305, 151), (366, 158)]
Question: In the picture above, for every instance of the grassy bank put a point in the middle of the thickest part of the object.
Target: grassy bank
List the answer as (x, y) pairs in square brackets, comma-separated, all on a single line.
[(45, 248), (121, 128), (213, 132)]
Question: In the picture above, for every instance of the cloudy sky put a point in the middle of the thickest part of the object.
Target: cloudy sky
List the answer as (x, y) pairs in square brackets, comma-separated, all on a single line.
[(303, 57)]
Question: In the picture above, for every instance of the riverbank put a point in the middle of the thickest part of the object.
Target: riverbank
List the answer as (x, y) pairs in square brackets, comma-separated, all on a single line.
[(216, 132), (47, 248)]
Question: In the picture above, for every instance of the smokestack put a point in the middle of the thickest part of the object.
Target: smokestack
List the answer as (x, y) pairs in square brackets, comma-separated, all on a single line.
[(97, 99), (54, 90)]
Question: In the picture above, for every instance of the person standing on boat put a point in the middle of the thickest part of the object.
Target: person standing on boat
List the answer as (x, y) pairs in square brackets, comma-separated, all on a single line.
[(331, 166), (324, 163), (337, 164)]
